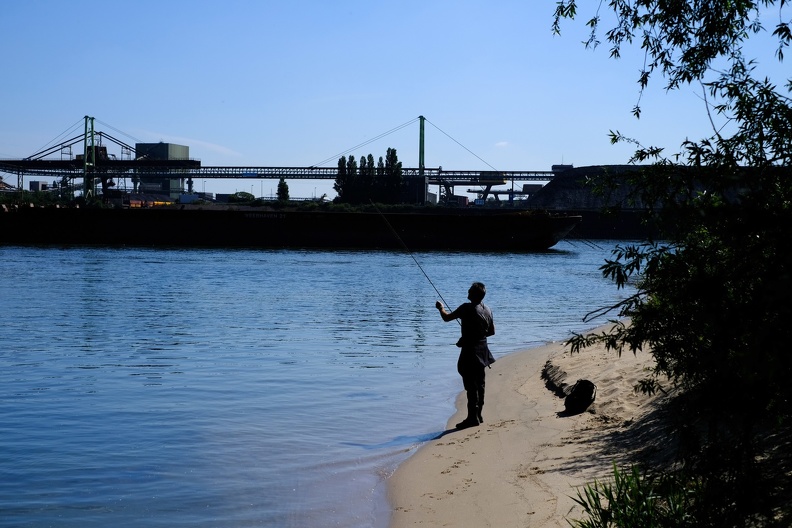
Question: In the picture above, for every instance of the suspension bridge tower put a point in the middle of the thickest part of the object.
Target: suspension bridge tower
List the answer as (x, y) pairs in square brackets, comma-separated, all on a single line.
[(89, 158), (421, 161)]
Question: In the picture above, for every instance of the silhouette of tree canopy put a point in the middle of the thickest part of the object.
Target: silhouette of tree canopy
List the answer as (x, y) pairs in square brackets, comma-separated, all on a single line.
[(711, 299), (380, 183), (283, 191)]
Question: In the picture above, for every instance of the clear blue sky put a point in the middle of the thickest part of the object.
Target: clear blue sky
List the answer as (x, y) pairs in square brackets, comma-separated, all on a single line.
[(262, 83)]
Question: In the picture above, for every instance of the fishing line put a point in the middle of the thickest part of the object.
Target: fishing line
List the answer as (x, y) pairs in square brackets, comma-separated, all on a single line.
[(411, 256), (583, 241)]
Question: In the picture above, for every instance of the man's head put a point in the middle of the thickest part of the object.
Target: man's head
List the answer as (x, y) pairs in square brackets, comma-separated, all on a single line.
[(477, 292)]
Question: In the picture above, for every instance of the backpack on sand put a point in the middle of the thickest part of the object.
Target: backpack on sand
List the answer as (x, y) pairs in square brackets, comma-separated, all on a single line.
[(580, 397)]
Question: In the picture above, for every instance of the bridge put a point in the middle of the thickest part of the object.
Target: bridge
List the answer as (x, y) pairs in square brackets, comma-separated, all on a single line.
[(92, 165), (192, 169)]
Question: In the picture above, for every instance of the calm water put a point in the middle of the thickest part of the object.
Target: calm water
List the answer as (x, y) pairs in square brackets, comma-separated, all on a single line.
[(244, 388)]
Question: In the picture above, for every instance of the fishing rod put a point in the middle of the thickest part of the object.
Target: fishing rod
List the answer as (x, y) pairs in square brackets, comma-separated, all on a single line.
[(411, 254)]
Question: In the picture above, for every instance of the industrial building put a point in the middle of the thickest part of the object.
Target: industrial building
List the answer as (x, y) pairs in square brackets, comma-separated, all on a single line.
[(170, 184)]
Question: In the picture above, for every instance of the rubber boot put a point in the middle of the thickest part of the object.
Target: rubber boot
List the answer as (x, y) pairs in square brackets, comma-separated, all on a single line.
[(472, 418)]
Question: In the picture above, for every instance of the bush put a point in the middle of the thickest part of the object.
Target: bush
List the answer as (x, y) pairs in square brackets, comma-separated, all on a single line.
[(633, 500)]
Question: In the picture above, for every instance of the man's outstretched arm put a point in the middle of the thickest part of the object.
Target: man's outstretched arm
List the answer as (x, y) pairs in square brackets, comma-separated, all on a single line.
[(446, 315)]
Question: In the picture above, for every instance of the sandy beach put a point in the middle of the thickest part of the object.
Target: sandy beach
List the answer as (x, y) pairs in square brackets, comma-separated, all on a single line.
[(522, 466)]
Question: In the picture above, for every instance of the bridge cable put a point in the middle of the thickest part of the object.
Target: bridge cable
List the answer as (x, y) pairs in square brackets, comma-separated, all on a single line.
[(57, 138), (335, 158), (464, 147), (119, 131)]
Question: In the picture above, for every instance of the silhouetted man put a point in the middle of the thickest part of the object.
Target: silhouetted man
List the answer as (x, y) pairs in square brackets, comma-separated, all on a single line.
[(474, 354)]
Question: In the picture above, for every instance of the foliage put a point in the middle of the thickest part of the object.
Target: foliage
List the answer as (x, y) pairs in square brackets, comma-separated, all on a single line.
[(710, 302), (43, 199), (381, 183), (681, 40), (283, 191), (241, 197), (635, 500)]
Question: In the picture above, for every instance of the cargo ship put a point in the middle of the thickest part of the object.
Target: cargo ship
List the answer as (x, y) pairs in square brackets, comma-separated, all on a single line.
[(431, 228)]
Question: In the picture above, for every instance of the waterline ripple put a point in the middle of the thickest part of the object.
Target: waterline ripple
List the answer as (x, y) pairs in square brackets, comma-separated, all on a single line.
[(243, 387)]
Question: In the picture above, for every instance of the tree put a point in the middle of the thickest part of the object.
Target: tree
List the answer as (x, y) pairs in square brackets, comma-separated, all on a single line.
[(393, 177), (711, 301), (241, 197), (368, 177), (341, 180), (353, 191), (369, 182), (283, 191), (681, 40), (366, 184), (347, 182)]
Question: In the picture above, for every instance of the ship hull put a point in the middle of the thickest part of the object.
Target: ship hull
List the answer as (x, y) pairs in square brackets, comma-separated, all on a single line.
[(252, 227)]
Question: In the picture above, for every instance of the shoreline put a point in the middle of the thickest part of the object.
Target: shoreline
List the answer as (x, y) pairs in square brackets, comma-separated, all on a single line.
[(523, 465)]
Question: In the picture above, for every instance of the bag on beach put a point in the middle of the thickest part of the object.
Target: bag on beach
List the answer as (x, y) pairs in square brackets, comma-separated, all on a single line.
[(580, 397)]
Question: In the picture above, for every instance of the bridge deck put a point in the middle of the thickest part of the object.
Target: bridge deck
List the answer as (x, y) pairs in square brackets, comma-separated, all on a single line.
[(193, 169)]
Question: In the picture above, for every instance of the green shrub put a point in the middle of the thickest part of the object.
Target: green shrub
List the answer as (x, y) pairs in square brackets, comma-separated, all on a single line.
[(633, 500)]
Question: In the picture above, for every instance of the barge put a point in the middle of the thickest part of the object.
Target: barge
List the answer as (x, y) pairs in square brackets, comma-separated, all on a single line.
[(434, 228)]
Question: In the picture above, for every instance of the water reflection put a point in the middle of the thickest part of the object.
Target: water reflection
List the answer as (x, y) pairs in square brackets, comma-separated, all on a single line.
[(242, 387)]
